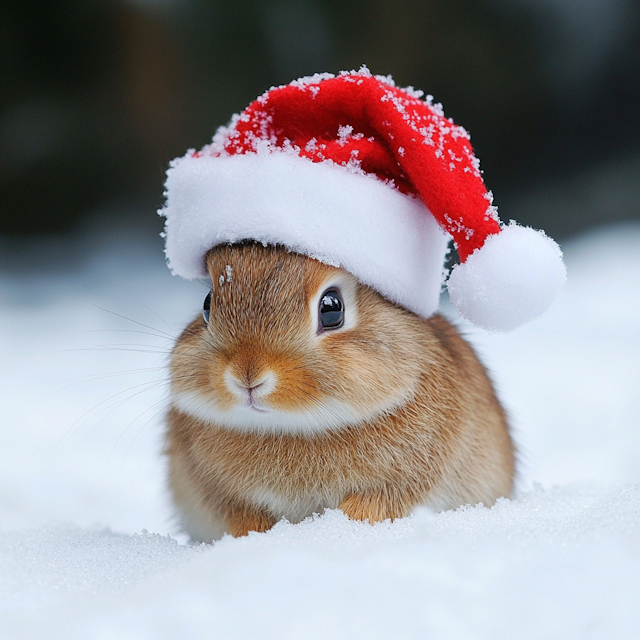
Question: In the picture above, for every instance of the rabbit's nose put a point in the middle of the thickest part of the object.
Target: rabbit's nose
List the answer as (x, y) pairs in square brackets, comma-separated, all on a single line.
[(259, 386)]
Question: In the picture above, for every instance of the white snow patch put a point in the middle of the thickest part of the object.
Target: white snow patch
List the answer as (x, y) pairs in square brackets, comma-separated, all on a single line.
[(556, 562), (559, 564)]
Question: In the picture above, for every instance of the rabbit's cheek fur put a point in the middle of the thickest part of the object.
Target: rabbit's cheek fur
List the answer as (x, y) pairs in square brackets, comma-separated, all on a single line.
[(335, 382), (253, 390), (274, 394)]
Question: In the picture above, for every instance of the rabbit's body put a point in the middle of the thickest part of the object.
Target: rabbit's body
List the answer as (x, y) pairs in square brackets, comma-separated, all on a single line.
[(274, 416)]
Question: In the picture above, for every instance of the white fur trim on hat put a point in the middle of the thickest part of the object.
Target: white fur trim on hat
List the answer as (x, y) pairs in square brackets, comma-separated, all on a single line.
[(388, 240), (511, 279)]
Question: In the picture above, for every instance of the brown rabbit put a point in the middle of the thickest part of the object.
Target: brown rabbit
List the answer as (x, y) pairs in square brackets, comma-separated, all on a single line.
[(302, 389)]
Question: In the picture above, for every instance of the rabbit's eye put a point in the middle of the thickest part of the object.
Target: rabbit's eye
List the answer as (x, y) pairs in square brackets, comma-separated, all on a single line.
[(331, 310), (206, 307)]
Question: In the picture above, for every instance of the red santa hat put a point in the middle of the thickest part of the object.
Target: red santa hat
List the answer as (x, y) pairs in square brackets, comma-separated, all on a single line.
[(358, 173)]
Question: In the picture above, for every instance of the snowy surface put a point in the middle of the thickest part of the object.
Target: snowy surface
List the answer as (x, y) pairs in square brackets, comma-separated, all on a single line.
[(81, 476)]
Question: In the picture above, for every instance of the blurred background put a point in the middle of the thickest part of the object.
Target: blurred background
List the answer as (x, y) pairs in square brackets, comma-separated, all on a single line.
[(98, 95)]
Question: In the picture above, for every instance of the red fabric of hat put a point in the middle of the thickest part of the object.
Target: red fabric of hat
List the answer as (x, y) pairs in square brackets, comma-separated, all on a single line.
[(385, 131)]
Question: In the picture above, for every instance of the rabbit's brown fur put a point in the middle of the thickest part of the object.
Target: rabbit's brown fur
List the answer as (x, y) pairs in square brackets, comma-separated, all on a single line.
[(388, 412)]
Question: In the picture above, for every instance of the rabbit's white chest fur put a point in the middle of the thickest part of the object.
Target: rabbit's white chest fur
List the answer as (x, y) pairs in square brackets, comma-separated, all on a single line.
[(330, 415)]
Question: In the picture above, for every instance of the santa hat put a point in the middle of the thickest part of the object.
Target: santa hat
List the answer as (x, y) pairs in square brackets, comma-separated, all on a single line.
[(358, 173)]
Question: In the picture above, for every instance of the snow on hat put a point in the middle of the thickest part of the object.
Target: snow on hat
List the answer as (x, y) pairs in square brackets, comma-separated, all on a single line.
[(358, 173)]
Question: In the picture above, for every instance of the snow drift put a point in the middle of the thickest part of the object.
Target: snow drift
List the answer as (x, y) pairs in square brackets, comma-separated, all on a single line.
[(82, 395)]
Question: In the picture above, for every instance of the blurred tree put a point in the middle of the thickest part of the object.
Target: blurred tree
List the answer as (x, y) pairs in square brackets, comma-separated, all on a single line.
[(98, 96)]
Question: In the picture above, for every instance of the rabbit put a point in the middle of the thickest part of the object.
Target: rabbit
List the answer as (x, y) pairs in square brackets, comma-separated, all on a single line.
[(301, 389)]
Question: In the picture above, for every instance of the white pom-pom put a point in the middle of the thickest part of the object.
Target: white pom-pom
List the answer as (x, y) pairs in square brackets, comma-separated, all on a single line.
[(513, 278)]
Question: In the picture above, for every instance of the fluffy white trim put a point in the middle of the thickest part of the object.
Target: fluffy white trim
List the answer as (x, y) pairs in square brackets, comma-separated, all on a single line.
[(386, 239), (512, 279)]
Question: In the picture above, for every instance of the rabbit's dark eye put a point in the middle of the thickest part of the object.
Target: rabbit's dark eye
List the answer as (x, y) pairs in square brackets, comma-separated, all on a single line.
[(331, 310), (206, 307)]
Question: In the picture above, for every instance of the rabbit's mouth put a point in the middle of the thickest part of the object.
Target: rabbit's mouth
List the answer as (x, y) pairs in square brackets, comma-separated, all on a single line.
[(255, 406), (250, 397)]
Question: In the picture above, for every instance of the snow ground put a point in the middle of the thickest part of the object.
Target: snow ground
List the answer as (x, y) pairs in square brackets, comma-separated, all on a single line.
[(81, 398)]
